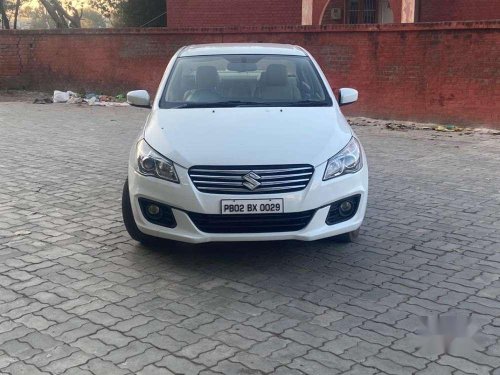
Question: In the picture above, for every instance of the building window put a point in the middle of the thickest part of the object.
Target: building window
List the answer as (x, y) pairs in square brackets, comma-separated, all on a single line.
[(361, 11)]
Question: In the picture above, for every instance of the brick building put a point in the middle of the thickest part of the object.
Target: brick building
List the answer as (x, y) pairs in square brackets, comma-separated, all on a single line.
[(203, 13)]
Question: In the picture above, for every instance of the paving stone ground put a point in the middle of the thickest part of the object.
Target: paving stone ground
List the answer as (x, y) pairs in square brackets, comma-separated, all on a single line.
[(78, 296)]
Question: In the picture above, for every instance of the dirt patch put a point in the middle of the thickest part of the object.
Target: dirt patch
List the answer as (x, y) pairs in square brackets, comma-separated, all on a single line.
[(7, 96), (404, 126)]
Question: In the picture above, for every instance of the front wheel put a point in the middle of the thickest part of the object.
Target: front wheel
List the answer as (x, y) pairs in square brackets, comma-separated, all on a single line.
[(129, 221), (347, 237)]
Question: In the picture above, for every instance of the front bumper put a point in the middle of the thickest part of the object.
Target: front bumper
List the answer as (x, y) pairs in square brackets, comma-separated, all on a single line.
[(184, 198)]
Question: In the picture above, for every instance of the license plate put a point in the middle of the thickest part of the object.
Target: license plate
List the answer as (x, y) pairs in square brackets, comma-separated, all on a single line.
[(252, 206)]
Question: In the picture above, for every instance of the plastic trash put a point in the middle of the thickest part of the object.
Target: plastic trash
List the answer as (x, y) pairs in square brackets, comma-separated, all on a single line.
[(63, 97), (92, 101), (91, 95), (74, 100), (60, 97)]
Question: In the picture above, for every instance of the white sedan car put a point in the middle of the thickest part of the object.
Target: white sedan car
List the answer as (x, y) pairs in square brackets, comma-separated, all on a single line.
[(245, 142)]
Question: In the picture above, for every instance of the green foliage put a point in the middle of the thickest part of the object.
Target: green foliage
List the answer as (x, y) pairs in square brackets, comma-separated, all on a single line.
[(136, 13), (92, 19), (71, 13), (37, 18), (9, 12)]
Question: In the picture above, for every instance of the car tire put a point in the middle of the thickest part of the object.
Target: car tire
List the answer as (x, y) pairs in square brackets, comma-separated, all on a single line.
[(129, 221), (347, 237)]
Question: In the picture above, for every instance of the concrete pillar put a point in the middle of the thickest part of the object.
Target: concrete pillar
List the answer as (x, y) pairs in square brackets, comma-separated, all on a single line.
[(307, 12), (408, 11)]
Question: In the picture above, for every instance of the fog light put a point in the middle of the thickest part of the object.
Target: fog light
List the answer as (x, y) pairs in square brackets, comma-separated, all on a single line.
[(157, 213), (153, 210), (346, 208), (343, 210)]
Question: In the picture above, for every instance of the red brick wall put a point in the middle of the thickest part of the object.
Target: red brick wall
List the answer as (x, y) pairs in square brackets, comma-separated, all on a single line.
[(458, 10), (446, 73), (208, 13)]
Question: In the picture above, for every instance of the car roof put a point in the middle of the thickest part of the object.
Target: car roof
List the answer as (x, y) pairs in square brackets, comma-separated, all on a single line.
[(242, 49)]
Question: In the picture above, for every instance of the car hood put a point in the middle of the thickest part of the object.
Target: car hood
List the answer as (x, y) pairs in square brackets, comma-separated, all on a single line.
[(247, 135)]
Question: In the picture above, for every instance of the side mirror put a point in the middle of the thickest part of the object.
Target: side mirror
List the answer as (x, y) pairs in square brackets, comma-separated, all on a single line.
[(347, 96), (139, 98)]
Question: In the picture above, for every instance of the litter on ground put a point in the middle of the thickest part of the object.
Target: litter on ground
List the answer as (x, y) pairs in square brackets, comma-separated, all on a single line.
[(92, 99), (408, 125)]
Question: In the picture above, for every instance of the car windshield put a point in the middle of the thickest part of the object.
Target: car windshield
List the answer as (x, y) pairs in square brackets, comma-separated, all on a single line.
[(244, 80)]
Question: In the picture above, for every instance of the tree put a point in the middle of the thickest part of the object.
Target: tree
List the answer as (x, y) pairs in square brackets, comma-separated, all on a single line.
[(64, 16), (3, 15), (106, 7), (16, 12), (93, 19), (138, 13), (38, 17), (132, 13)]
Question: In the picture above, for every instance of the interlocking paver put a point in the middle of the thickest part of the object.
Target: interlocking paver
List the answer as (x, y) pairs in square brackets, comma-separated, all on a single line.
[(100, 367), (79, 297), (20, 368), (255, 362), (179, 365), (59, 366), (194, 350), (153, 370), (212, 357)]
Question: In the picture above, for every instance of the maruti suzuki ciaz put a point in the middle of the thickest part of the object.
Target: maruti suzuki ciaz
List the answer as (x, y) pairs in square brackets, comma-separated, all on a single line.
[(245, 142)]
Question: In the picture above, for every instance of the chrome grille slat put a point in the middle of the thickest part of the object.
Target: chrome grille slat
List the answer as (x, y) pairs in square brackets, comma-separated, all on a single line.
[(238, 178), (239, 171), (238, 183), (231, 179), (246, 191), (271, 183), (233, 183)]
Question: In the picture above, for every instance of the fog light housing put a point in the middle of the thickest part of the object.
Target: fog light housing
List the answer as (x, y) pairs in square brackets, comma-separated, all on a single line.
[(154, 210), (157, 213), (343, 210)]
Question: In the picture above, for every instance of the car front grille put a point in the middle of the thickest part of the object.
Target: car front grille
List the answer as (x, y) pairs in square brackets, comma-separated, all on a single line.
[(261, 223), (272, 179)]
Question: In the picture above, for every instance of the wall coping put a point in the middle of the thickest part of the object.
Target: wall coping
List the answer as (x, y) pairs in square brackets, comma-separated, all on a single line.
[(431, 26)]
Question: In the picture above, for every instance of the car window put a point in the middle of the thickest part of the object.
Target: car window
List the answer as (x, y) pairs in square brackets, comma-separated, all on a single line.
[(244, 80)]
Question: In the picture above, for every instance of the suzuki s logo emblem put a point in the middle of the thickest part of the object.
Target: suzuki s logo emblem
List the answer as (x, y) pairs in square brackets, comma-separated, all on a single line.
[(251, 181)]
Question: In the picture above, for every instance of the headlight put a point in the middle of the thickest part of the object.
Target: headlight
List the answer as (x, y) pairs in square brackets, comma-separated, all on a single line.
[(349, 160), (151, 163)]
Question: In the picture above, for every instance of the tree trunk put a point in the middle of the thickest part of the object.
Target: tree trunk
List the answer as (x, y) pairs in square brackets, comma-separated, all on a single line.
[(60, 16), (5, 19), (16, 13), (60, 22)]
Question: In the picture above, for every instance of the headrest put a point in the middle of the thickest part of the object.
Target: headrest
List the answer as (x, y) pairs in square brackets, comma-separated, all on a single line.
[(276, 75), (207, 77)]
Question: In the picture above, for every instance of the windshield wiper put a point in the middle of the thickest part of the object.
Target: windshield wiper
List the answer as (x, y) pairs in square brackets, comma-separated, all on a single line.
[(241, 103), (226, 104), (236, 103), (192, 105), (306, 103)]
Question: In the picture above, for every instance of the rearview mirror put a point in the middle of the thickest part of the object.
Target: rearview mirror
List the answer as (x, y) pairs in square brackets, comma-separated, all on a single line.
[(242, 67), (139, 98), (347, 96)]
